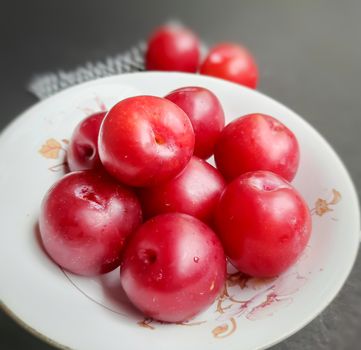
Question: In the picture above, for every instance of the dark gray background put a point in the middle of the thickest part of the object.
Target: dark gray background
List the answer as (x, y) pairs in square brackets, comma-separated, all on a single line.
[(309, 54)]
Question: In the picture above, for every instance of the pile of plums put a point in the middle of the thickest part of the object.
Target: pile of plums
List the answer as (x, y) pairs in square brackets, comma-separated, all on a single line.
[(141, 195)]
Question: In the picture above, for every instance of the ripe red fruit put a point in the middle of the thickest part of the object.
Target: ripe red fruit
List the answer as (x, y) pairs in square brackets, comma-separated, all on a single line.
[(85, 218), (257, 142), (263, 223), (145, 140), (206, 114), (195, 192), (83, 148), (173, 48), (231, 62), (173, 268)]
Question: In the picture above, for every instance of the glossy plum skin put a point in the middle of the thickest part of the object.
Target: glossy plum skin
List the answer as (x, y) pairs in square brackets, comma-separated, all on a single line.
[(206, 114), (85, 219), (83, 148), (257, 142), (145, 140), (263, 223), (231, 62), (173, 48), (173, 268), (195, 191)]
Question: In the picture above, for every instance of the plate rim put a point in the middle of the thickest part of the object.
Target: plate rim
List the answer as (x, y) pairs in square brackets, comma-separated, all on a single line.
[(337, 286)]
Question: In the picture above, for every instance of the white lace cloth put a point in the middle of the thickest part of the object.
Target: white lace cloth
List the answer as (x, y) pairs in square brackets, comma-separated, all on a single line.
[(45, 85)]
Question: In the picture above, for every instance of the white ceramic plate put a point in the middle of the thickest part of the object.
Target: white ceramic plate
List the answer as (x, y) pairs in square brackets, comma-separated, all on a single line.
[(92, 313)]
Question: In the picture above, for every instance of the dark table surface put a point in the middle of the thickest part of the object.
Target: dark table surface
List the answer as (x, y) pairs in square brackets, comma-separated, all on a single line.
[(309, 53)]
